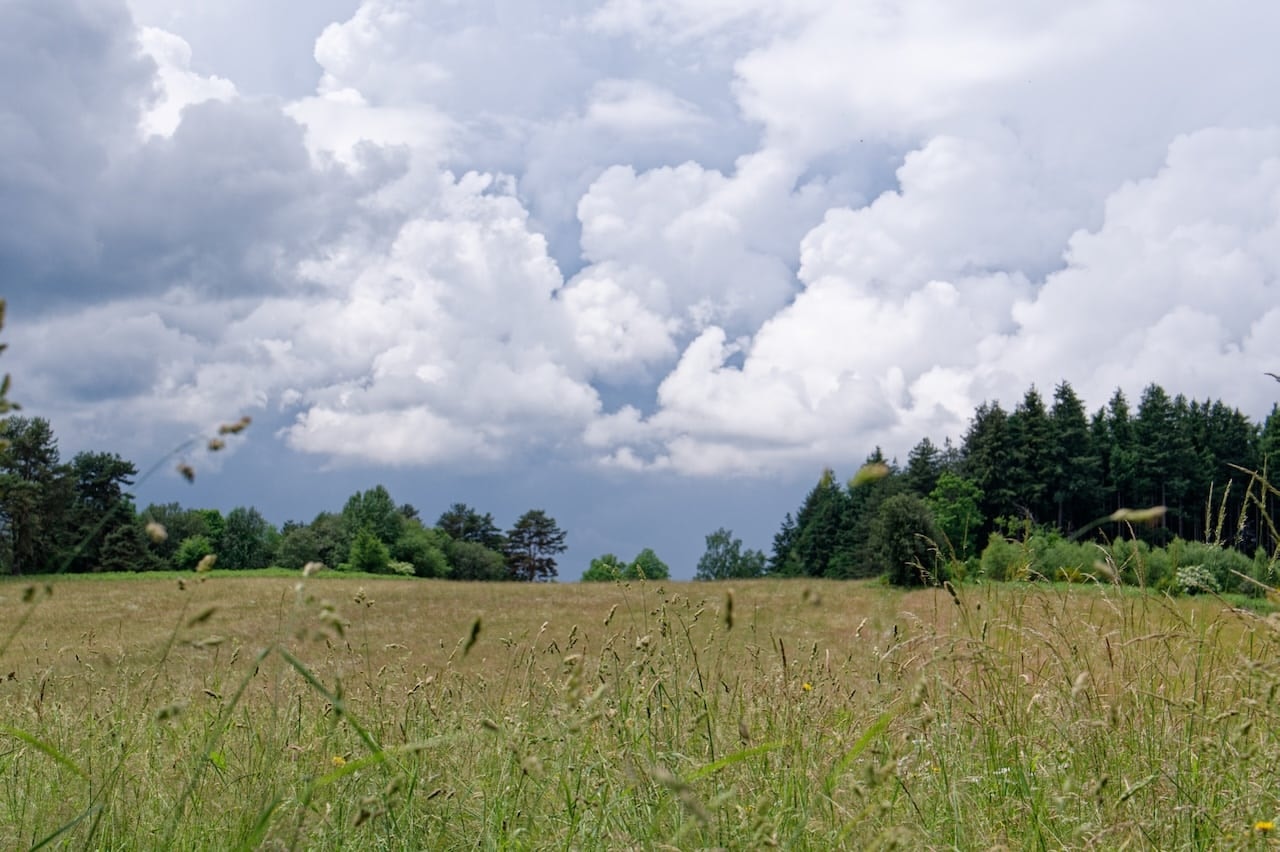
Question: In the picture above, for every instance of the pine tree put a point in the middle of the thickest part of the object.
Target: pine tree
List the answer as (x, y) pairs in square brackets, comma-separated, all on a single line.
[(1031, 443), (1123, 457), (1076, 467), (532, 545), (988, 462), (818, 526), (924, 466)]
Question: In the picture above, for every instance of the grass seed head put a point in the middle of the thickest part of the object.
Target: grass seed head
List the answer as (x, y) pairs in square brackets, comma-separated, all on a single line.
[(235, 428)]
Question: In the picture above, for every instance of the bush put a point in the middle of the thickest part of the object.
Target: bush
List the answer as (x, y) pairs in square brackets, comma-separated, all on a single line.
[(368, 553), (647, 566), (604, 569), (1065, 560), (403, 569), (1003, 560), (1194, 579), (191, 551), (1221, 562), (1138, 564), (903, 539), (421, 548), (469, 560)]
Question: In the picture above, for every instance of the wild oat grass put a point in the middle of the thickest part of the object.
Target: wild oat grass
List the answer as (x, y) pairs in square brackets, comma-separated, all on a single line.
[(328, 713)]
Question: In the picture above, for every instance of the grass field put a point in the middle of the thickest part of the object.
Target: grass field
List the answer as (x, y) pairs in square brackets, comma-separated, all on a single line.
[(325, 713)]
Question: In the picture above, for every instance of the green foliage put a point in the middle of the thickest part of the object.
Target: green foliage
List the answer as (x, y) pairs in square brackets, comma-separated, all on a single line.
[(298, 545), (924, 467), (127, 548), (191, 550), (179, 524), (462, 523), (469, 560), (332, 541), (955, 505), (725, 559), (1059, 559), (820, 525), (785, 561), (1139, 564), (604, 569), (375, 511), (423, 549), (1075, 465), (368, 553), (903, 540), (532, 545), (1003, 559), (1224, 564), (36, 498), (247, 540), (608, 568), (647, 566), (855, 556), (1194, 579)]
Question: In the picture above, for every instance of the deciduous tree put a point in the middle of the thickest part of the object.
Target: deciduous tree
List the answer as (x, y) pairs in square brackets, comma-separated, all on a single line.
[(725, 559)]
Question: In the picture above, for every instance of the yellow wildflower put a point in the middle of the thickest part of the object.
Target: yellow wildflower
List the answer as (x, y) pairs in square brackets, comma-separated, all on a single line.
[(1264, 826), (806, 686), (339, 760)]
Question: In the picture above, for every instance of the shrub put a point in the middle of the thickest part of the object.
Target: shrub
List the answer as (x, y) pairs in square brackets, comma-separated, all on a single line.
[(403, 569), (1138, 564), (191, 551), (903, 539), (1194, 579), (1003, 560), (604, 569), (421, 548), (368, 553), (1223, 563), (469, 560)]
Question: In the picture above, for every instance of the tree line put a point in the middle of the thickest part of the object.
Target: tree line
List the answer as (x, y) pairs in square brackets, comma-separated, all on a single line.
[(1044, 475), (79, 516)]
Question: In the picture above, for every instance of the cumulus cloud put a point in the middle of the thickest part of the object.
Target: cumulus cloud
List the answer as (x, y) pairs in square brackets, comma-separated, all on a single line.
[(179, 86), (1180, 285), (701, 237)]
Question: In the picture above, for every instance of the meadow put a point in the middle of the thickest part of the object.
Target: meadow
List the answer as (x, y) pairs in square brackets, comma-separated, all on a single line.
[(328, 712)]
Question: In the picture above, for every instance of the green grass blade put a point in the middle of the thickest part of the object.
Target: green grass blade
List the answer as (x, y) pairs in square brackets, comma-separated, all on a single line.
[(878, 727), (254, 838), (730, 759), (48, 839), (44, 747), (338, 704)]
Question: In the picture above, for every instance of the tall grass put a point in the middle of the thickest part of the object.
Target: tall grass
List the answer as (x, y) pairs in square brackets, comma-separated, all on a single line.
[(241, 712)]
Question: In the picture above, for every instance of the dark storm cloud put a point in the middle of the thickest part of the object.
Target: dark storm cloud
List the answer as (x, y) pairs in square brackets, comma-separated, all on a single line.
[(74, 85)]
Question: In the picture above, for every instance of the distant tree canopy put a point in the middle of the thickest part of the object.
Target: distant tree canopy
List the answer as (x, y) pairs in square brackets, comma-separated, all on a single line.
[(646, 566), (1042, 469), (1052, 467), (79, 516), (725, 559)]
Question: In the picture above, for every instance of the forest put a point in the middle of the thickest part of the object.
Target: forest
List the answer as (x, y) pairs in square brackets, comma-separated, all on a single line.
[(1029, 492), (1173, 494), (79, 517)]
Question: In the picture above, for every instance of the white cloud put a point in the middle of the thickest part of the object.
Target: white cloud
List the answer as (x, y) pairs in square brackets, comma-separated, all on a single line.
[(789, 231), (1179, 286), (636, 106), (178, 86)]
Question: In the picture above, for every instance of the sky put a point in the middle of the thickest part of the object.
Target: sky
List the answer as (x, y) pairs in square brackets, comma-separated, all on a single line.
[(648, 265)]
